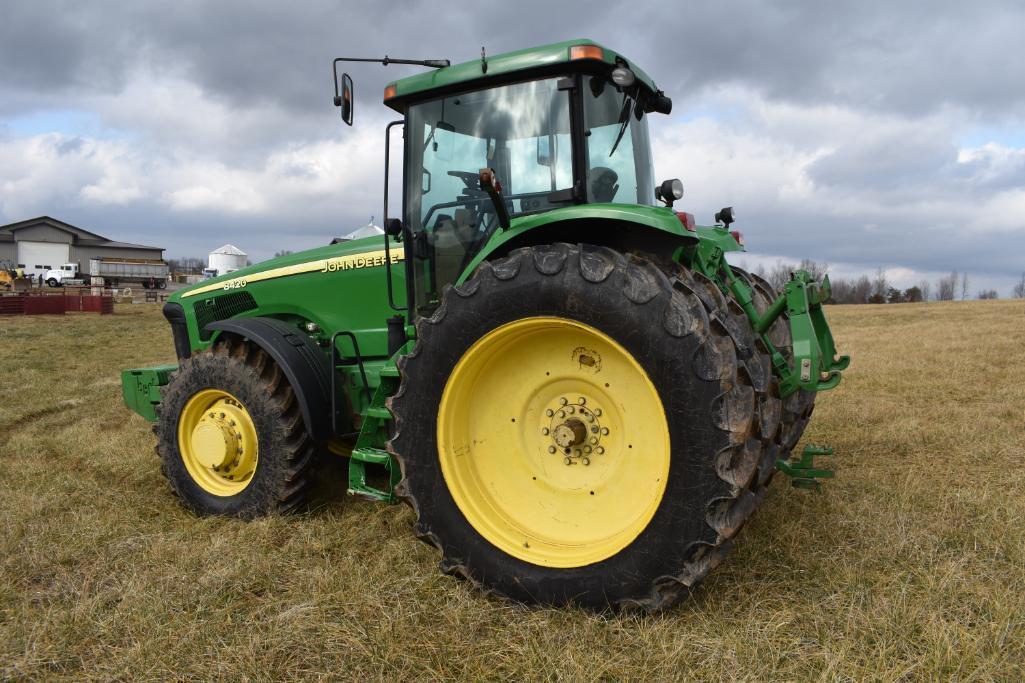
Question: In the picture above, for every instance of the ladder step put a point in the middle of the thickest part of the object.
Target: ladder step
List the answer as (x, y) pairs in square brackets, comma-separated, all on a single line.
[(375, 456), (389, 371), (379, 413)]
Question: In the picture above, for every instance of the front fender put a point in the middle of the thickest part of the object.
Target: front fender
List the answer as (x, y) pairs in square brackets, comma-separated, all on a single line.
[(306, 367)]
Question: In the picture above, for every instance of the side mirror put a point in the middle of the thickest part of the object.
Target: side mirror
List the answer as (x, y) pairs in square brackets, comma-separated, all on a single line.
[(545, 153), (393, 226), (345, 99)]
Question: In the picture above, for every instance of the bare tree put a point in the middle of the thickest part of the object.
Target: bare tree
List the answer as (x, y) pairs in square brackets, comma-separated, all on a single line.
[(1019, 289), (779, 275), (815, 269), (926, 289), (964, 286), (862, 290), (880, 286), (946, 287), (988, 294)]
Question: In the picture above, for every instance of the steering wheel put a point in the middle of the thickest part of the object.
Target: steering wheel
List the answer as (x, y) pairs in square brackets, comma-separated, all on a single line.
[(469, 178), (602, 182)]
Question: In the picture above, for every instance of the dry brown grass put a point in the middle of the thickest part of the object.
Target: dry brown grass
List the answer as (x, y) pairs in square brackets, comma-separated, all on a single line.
[(909, 565)]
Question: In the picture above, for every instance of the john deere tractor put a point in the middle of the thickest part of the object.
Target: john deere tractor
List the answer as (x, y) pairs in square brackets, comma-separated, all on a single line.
[(580, 398)]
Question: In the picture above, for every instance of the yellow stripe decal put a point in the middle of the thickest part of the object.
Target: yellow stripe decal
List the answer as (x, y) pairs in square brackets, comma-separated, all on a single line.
[(368, 259)]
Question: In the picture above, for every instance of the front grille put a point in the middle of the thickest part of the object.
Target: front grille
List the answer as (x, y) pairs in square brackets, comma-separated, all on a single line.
[(220, 308)]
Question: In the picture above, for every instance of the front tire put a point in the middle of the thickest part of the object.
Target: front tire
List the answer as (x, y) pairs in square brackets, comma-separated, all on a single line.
[(497, 477), (231, 438), (52, 282)]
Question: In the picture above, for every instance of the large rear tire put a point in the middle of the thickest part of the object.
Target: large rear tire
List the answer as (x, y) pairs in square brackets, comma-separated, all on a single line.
[(515, 374), (231, 438)]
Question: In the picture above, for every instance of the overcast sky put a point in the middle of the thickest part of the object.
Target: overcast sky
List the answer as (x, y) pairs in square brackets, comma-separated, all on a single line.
[(864, 134)]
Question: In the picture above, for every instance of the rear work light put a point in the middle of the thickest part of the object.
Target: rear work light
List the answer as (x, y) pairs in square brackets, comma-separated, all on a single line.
[(390, 92), (737, 235), (688, 220), (586, 52)]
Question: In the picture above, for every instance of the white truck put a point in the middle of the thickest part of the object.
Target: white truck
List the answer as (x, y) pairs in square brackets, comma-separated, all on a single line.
[(64, 275), (112, 271)]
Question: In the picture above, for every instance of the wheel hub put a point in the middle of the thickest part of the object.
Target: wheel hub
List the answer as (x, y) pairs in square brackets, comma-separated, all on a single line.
[(575, 429), (216, 442)]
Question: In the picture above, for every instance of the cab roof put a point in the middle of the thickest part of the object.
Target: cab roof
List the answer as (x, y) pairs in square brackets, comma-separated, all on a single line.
[(503, 67)]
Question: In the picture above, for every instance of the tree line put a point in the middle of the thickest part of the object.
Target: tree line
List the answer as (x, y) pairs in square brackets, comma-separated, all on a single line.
[(878, 289)]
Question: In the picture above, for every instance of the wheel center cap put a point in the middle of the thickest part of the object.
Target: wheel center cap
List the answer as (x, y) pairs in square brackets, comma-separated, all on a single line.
[(214, 444), (570, 433)]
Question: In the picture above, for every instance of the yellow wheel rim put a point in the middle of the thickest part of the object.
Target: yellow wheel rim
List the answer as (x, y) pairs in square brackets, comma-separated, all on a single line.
[(553, 442), (217, 441)]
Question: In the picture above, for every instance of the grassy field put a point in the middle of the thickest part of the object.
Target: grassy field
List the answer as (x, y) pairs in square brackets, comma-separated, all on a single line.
[(910, 565)]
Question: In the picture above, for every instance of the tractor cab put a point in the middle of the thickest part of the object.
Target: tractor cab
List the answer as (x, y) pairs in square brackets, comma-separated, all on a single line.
[(566, 126)]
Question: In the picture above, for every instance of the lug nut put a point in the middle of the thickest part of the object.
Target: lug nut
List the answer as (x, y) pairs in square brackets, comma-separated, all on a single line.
[(587, 449), (599, 450), (562, 413), (222, 416), (549, 412), (586, 461), (581, 400), (569, 410), (551, 449), (567, 461), (594, 439), (594, 429), (597, 411), (604, 430), (563, 401), (590, 418), (545, 431)]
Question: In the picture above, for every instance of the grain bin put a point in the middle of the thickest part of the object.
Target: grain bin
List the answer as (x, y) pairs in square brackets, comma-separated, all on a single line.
[(226, 259)]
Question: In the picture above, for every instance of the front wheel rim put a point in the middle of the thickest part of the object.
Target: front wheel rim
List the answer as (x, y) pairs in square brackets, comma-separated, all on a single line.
[(218, 443), (553, 442)]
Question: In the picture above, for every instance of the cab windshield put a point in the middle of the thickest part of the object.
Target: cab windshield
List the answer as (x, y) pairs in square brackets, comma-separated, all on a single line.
[(524, 132)]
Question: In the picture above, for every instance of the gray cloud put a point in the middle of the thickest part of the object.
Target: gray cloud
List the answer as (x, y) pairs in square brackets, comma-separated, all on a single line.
[(840, 125)]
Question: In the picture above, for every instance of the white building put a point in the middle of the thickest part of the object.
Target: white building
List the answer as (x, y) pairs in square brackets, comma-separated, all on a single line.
[(226, 259)]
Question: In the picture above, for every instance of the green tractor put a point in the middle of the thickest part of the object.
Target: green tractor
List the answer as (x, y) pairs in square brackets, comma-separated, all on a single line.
[(582, 401)]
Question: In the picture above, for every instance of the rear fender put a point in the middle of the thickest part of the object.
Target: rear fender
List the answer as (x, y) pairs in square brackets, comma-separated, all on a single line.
[(626, 228)]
